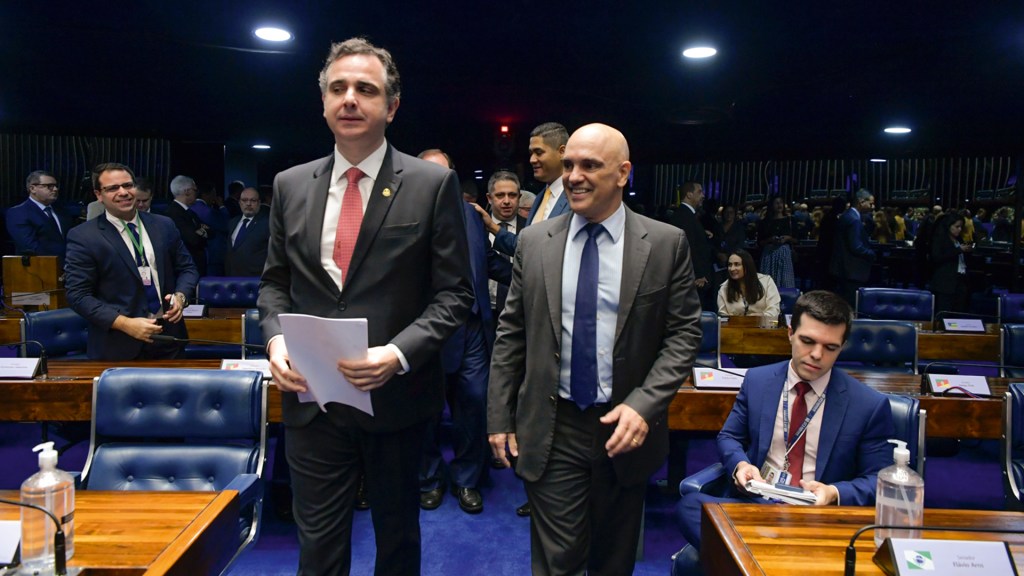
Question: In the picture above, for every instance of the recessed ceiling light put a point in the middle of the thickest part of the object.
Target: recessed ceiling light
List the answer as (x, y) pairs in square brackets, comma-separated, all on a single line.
[(273, 34), (878, 160), (261, 146), (700, 52), (897, 130)]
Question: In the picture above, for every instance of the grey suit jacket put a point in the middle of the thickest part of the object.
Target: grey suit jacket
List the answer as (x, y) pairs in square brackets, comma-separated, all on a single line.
[(656, 341), (409, 276)]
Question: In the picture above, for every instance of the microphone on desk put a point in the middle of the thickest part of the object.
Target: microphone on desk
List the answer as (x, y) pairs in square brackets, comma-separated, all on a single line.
[(42, 354), (60, 556), (851, 552), (174, 339)]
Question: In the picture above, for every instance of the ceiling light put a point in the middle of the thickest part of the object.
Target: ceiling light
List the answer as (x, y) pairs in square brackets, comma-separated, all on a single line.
[(878, 160), (271, 34), (700, 52), (897, 130), (261, 146)]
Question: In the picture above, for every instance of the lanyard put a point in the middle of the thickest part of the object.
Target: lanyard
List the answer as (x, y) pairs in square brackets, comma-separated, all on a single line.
[(137, 242), (803, 426)]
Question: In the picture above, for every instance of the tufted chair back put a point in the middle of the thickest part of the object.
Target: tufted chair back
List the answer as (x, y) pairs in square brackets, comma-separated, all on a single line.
[(1011, 308), (1011, 453), (228, 291), (881, 346), (895, 304), (252, 334), (708, 352), (788, 299), (1012, 348), (62, 332)]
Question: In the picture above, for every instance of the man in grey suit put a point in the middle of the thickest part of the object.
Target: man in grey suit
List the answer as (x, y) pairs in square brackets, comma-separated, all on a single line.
[(367, 232), (601, 325)]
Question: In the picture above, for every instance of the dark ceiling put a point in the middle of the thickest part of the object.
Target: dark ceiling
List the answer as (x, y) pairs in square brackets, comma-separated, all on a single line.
[(792, 79)]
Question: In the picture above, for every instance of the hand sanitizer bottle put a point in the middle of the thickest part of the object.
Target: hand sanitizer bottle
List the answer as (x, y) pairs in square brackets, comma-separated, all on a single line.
[(899, 499), (54, 490)]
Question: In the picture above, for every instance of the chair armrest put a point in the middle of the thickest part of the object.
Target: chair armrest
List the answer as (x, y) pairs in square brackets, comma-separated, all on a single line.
[(249, 487), (709, 480)]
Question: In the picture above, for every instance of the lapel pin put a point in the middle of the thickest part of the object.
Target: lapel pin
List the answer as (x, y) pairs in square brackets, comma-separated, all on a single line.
[(387, 192)]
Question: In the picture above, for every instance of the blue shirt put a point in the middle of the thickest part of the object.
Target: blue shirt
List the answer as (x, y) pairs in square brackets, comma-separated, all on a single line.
[(610, 250)]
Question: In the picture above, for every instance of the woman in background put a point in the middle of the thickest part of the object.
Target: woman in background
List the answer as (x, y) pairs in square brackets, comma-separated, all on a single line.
[(949, 265), (747, 293), (775, 235)]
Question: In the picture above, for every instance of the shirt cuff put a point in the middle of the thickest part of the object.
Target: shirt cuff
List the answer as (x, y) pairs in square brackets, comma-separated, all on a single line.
[(401, 357), (271, 341)]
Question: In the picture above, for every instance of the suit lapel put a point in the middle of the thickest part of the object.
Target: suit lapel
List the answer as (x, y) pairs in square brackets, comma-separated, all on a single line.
[(388, 178), (159, 250), (832, 420), (551, 270), (314, 217), (635, 253), (113, 236), (770, 409)]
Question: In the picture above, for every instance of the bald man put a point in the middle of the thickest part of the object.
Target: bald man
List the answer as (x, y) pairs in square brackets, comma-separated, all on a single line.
[(579, 394)]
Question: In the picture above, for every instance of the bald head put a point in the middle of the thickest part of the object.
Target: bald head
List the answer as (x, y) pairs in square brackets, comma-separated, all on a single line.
[(596, 168)]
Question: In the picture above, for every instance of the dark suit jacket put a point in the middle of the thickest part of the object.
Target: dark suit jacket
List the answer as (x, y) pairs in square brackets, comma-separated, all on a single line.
[(34, 232), (501, 294), (188, 224), (505, 242), (249, 257), (852, 447), (409, 277), (852, 254), (102, 280), (657, 337), (945, 258), (700, 248)]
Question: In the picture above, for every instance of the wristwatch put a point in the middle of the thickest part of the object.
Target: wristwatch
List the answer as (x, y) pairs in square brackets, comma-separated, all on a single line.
[(182, 300)]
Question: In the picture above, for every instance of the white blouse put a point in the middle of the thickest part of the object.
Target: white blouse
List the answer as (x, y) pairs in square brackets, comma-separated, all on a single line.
[(767, 306)]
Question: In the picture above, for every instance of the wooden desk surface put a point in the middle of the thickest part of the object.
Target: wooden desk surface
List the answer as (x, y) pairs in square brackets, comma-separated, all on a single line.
[(152, 533), (948, 416), (754, 539)]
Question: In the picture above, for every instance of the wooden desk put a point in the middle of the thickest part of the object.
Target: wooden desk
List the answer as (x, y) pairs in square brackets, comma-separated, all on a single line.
[(745, 337), (227, 328), (948, 416), (151, 533), (67, 394), (754, 539)]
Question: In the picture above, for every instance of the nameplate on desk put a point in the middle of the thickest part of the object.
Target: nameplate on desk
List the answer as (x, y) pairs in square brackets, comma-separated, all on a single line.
[(10, 537), (257, 365), (194, 311), (19, 367), (718, 379), (963, 325), (912, 556), (30, 298), (957, 384)]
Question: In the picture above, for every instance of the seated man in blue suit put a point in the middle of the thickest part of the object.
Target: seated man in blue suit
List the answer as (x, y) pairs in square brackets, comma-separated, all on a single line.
[(34, 226), (127, 274), (803, 422)]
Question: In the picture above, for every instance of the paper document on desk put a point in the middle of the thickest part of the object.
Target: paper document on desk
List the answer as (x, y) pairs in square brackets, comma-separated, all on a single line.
[(314, 347), (782, 493)]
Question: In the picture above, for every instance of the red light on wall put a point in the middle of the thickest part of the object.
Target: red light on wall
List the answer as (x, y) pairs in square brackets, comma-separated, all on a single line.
[(504, 129)]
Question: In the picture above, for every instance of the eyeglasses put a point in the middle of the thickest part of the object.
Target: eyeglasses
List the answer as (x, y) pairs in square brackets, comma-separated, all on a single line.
[(129, 186), (47, 186)]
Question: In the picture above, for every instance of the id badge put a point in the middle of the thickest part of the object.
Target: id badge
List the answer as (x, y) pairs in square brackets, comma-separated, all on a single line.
[(147, 275), (771, 474)]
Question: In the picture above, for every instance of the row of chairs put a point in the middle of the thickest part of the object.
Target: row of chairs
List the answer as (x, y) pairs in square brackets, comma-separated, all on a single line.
[(919, 306)]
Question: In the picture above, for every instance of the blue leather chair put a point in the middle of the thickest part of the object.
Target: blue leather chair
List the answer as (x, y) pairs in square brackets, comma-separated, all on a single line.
[(177, 429), (895, 304), (887, 346), (228, 291), (62, 332), (1011, 308), (708, 352), (1011, 453), (909, 422), (789, 297), (252, 334), (1012, 348)]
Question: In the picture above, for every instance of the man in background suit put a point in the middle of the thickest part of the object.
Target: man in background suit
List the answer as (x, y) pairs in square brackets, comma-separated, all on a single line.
[(687, 217), (601, 325), (547, 144), (367, 232), (852, 255), (503, 196), (250, 232), (127, 274), (36, 228), (193, 232), (844, 444)]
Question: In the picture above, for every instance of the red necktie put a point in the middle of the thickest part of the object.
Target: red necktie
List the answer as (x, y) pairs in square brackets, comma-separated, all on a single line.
[(349, 220), (796, 455)]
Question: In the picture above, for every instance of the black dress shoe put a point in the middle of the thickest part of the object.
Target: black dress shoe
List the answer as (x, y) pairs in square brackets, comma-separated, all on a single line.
[(469, 500), (431, 499), (523, 510), (361, 502)]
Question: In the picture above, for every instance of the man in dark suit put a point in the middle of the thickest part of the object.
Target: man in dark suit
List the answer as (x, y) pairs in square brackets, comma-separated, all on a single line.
[(193, 232), (127, 274), (250, 233), (838, 452), (367, 232), (852, 255), (503, 194), (36, 228), (601, 325), (701, 251), (547, 144)]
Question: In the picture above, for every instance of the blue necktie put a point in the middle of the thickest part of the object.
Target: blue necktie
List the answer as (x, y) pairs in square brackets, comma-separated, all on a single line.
[(583, 370), (241, 232), (53, 218), (152, 298)]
